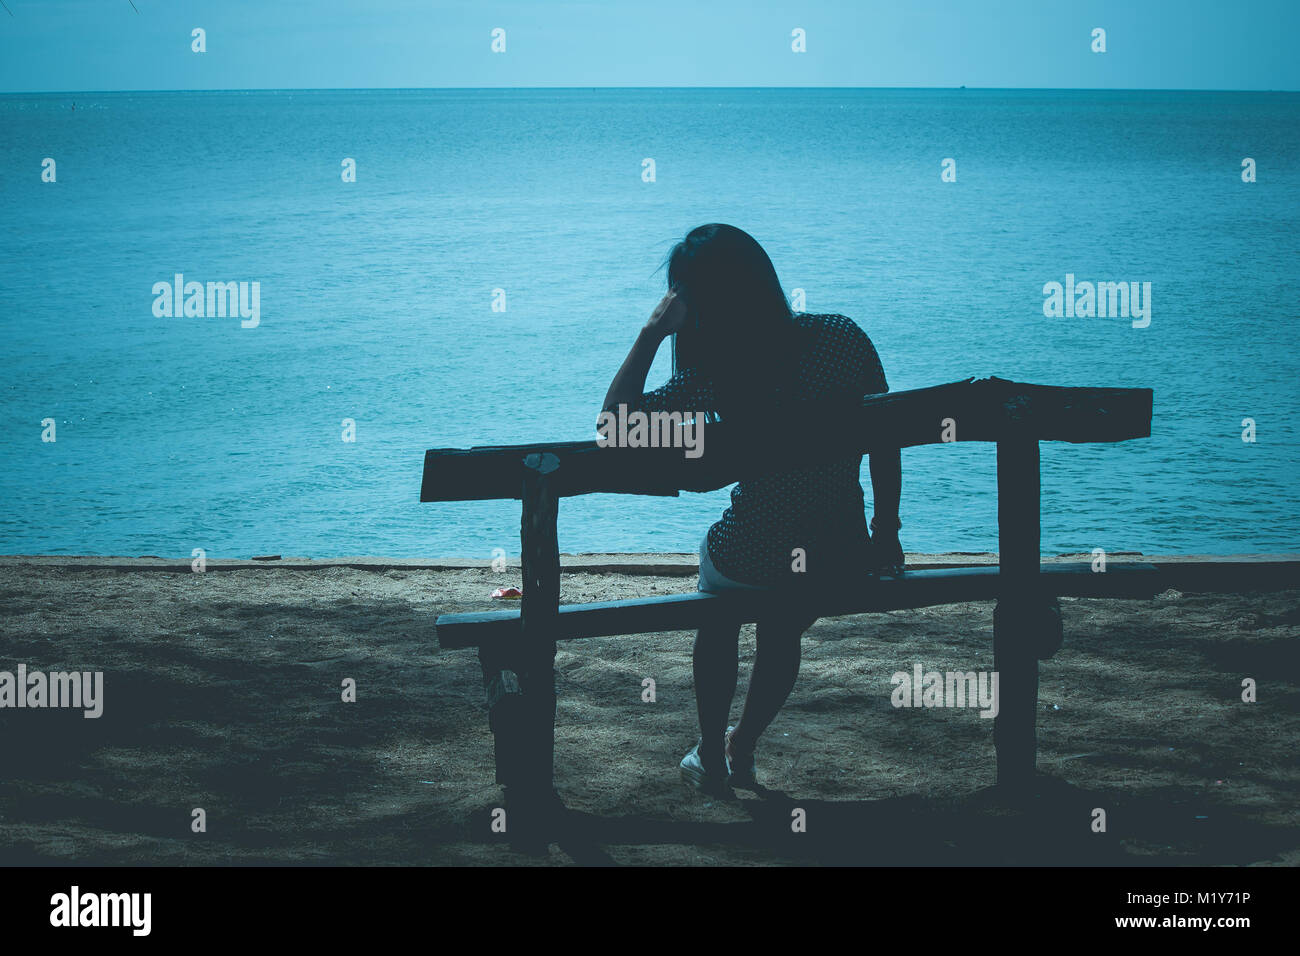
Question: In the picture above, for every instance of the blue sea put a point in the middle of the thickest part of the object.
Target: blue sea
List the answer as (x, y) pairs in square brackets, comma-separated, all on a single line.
[(376, 300)]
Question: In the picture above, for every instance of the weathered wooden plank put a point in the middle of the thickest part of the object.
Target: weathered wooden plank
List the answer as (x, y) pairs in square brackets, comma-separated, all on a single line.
[(518, 673), (1020, 614), (686, 612), (989, 409), (529, 784), (540, 564)]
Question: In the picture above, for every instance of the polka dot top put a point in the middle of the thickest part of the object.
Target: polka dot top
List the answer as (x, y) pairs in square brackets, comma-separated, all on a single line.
[(817, 510)]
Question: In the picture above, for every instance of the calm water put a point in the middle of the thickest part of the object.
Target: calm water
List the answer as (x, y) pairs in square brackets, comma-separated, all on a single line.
[(176, 433)]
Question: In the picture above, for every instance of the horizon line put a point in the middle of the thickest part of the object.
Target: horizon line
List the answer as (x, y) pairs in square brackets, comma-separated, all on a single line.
[(370, 89)]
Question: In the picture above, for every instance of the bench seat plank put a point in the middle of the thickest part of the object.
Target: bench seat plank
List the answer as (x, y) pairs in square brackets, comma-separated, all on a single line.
[(687, 611)]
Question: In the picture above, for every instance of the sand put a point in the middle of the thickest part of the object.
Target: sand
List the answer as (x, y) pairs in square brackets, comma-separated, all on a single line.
[(223, 692)]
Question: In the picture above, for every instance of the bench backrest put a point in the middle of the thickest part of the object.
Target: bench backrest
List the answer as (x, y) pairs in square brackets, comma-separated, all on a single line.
[(988, 409), (1015, 415)]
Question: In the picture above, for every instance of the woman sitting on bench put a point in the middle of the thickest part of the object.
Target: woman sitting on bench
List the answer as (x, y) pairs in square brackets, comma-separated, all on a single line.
[(740, 354)]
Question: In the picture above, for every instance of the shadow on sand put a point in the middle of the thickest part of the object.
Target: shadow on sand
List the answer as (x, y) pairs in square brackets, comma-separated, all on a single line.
[(1053, 826)]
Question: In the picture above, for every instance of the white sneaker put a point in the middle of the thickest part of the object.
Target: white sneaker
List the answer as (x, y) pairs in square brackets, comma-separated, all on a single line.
[(694, 773)]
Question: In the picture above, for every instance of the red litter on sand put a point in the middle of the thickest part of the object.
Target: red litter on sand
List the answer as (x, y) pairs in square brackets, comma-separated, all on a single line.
[(508, 594)]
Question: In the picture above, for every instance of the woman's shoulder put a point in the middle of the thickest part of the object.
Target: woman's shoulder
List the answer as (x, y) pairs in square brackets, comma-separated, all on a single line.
[(831, 324), (842, 349)]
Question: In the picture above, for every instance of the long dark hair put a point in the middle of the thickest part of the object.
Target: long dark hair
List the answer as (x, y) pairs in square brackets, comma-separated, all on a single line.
[(739, 333)]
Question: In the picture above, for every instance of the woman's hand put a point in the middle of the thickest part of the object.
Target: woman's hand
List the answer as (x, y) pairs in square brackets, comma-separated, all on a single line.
[(668, 317), (629, 382)]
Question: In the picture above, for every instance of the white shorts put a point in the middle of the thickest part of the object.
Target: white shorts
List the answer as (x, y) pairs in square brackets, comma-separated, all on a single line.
[(713, 580)]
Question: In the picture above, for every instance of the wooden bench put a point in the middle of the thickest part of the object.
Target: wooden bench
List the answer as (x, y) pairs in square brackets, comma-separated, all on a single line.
[(517, 646)]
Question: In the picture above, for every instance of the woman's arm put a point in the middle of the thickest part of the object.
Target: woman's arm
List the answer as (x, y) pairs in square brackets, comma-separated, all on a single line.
[(629, 382), (886, 489)]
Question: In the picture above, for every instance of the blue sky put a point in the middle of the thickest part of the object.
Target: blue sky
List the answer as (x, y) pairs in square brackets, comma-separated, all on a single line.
[(73, 45)]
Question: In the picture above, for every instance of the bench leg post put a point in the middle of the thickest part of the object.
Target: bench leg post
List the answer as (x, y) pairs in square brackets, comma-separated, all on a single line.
[(1014, 648), (1014, 733), (530, 788), (505, 704)]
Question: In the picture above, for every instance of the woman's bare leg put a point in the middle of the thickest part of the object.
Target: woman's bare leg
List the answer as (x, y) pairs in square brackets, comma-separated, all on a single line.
[(715, 660), (776, 665)]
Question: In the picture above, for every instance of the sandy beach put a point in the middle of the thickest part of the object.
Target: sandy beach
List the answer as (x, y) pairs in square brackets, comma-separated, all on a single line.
[(222, 691)]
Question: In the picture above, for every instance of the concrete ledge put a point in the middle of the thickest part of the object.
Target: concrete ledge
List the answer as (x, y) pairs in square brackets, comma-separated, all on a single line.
[(1240, 572)]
